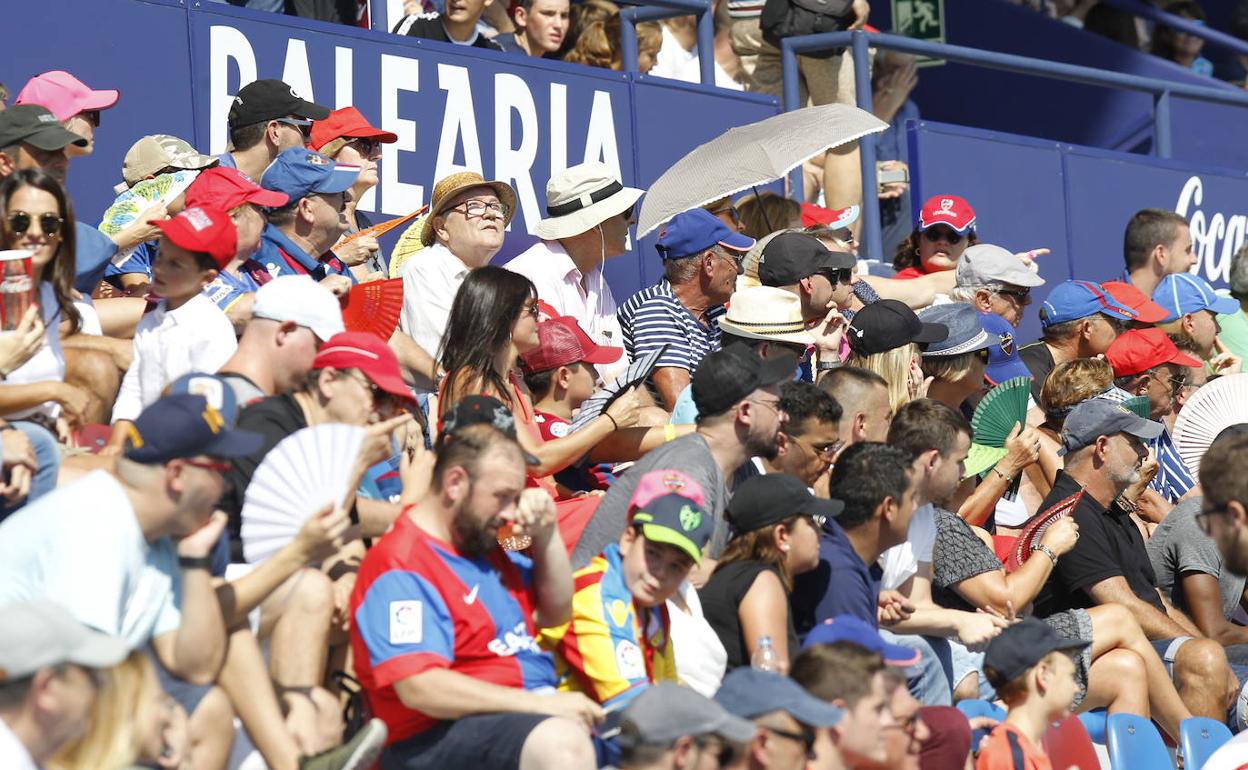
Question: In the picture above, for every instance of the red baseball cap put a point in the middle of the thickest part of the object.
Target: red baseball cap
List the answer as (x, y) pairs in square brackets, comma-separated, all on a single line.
[(813, 215), (346, 122), (1139, 350), (204, 229), (1146, 311), (368, 353), (949, 210), (226, 188), (561, 342), (65, 95)]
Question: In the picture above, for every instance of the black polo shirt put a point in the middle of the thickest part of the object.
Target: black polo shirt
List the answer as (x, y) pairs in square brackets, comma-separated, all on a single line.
[(1039, 361), (1109, 546), (430, 27)]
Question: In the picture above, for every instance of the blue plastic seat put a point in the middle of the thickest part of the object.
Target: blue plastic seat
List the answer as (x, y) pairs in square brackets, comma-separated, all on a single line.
[(1094, 723), (974, 707), (1200, 737), (1135, 744)]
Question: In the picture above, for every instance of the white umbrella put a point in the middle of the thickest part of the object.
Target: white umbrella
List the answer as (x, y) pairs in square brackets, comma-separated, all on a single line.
[(745, 156)]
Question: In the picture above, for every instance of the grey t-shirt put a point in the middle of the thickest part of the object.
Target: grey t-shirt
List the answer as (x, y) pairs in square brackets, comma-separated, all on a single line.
[(1178, 546), (688, 454)]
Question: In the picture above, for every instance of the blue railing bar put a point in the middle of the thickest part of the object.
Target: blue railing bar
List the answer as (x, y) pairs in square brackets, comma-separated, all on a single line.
[(665, 9), (1022, 65), (872, 241), (1161, 125), (1154, 14)]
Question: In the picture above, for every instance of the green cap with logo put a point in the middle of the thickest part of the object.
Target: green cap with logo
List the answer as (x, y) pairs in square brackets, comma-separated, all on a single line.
[(677, 521)]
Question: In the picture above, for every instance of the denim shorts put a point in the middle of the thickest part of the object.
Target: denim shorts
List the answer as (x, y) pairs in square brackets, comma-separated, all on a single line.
[(479, 742)]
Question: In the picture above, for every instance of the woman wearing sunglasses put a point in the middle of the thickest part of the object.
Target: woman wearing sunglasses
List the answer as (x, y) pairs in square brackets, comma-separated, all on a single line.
[(946, 227), (347, 137)]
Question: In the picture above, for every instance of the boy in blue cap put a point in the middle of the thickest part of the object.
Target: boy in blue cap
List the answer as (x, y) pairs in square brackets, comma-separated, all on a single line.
[(1192, 309), (702, 258), (1079, 319), (299, 235)]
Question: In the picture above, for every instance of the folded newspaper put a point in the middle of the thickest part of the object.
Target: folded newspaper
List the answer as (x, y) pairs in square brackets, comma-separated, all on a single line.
[(638, 372)]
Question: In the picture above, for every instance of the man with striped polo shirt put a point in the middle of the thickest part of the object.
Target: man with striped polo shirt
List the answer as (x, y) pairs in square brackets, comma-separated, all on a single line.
[(701, 261)]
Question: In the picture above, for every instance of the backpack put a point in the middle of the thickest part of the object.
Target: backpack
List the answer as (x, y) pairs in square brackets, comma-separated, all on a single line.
[(791, 18)]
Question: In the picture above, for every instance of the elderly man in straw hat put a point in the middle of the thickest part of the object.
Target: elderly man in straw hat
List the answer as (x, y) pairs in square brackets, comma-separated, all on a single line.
[(588, 211), (464, 229)]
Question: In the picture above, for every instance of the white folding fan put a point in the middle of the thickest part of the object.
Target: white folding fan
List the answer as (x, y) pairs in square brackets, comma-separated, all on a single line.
[(1217, 405), (306, 471)]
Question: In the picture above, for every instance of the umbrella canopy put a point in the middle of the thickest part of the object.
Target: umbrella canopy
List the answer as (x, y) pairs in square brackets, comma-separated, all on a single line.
[(754, 154)]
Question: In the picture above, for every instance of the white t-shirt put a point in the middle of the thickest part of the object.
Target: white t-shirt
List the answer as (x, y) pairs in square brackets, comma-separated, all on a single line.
[(80, 545), (902, 561), (431, 278), (700, 656)]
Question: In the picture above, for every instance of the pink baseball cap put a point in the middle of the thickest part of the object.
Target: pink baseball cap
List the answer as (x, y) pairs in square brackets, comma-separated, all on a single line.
[(65, 95), (661, 482)]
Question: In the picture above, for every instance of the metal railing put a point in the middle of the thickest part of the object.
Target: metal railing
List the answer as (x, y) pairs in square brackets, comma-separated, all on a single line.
[(1195, 29), (665, 9), (1161, 90)]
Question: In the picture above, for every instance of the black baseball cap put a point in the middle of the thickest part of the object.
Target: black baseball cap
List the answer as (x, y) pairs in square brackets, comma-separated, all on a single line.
[(726, 376), (35, 125), (762, 501), (263, 100), (183, 425), (1024, 644), (790, 257), (483, 410), (887, 324)]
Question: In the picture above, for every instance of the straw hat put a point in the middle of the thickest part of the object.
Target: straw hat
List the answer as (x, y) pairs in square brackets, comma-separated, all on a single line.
[(450, 186), (581, 197), (766, 313)]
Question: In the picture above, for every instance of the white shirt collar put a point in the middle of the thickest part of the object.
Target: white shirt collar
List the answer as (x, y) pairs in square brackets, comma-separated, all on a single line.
[(13, 754)]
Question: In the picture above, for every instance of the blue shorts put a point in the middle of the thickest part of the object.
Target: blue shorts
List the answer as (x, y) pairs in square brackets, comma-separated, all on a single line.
[(480, 742)]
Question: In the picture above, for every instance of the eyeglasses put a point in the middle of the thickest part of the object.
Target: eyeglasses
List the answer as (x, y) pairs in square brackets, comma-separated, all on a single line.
[(364, 146), (735, 257), (1022, 296), (945, 234), (827, 450), (838, 276), (724, 753), (773, 405), (49, 224), (731, 211), (807, 739), (304, 126), (982, 355), (209, 465), (473, 209), (533, 309)]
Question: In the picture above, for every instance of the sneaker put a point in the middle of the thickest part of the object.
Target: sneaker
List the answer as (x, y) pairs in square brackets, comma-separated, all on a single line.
[(359, 753)]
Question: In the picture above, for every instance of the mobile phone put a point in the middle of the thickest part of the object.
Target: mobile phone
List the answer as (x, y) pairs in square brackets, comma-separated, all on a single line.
[(892, 176)]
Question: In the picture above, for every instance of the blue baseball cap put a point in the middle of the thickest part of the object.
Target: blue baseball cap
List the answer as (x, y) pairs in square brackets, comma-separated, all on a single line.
[(299, 173), (749, 693), (1183, 293), (966, 332), (1004, 363), (847, 628), (185, 425), (215, 390), (1072, 300), (694, 231)]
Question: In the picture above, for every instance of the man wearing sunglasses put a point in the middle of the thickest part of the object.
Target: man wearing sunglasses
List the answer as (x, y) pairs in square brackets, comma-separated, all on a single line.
[(267, 117), (994, 281)]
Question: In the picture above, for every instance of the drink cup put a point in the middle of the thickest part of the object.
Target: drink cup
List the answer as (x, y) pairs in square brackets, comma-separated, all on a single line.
[(17, 287)]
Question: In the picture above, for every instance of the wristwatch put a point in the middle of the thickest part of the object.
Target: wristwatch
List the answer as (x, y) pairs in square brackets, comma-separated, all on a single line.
[(1047, 551), (195, 562)]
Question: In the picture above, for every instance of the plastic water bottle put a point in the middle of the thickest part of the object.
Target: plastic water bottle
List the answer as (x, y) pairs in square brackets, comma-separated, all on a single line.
[(765, 658)]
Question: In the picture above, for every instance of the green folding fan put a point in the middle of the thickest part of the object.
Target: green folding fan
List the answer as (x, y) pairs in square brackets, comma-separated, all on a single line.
[(998, 412), (1139, 405)]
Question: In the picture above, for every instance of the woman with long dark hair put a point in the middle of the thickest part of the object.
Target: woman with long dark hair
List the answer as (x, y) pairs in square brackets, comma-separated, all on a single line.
[(493, 321)]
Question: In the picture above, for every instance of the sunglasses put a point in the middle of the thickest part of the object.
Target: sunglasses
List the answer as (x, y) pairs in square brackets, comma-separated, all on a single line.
[(365, 147), (49, 224), (304, 126), (627, 214), (839, 275), (208, 465), (1021, 295), (945, 234), (807, 739), (533, 309), (731, 211)]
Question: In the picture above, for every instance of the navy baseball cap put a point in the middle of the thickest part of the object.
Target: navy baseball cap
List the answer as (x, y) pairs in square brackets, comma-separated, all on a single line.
[(1072, 300), (483, 410), (847, 628), (749, 693), (694, 231), (1004, 363), (215, 390), (966, 332), (1024, 644), (299, 173), (1183, 293), (185, 425), (1101, 417)]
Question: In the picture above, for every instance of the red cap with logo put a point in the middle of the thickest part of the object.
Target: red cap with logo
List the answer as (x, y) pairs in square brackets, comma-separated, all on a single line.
[(226, 188), (1139, 350), (949, 210), (346, 123), (1146, 311), (204, 229), (562, 342), (368, 353)]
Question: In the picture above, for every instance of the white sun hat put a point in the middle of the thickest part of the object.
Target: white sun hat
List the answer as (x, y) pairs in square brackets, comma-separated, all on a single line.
[(581, 197)]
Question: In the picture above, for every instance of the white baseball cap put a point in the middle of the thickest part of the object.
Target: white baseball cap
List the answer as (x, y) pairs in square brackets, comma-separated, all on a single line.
[(38, 634), (299, 299)]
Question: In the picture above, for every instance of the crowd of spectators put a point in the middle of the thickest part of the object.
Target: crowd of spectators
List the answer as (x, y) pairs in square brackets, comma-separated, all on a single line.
[(763, 549)]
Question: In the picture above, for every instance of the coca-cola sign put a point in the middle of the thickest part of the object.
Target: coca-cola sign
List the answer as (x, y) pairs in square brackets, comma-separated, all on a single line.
[(1216, 236)]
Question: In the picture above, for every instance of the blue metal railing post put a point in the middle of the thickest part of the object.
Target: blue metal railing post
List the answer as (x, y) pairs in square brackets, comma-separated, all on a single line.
[(665, 9), (791, 101), (706, 44), (1188, 26), (1161, 125), (872, 242), (628, 40)]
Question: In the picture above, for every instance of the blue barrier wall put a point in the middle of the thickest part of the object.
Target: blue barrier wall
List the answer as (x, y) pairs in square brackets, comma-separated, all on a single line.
[(514, 118), (1030, 193)]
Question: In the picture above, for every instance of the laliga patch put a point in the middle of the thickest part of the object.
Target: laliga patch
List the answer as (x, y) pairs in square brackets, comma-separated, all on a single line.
[(405, 622), (629, 660), (559, 429)]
